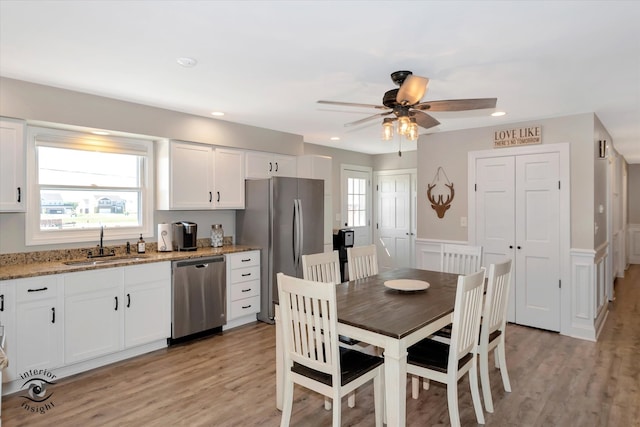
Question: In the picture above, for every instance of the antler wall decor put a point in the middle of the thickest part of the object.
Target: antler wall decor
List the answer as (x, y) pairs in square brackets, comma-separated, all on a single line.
[(440, 205)]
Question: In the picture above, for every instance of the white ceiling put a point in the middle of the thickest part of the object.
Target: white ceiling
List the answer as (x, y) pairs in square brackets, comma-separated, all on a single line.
[(266, 63)]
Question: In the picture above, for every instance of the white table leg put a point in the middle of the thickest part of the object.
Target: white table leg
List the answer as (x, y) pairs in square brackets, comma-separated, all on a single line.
[(395, 370), (279, 360)]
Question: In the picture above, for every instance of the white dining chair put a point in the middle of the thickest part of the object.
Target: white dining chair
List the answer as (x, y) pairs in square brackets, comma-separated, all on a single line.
[(492, 330), (362, 261), (460, 259), (312, 356), (325, 267), (447, 363)]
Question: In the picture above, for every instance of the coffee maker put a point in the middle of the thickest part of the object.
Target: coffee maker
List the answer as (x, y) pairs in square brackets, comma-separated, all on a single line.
[(185, 235)]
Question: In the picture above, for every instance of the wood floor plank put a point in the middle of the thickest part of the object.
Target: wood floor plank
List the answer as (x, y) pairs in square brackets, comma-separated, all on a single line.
[(229, 380)]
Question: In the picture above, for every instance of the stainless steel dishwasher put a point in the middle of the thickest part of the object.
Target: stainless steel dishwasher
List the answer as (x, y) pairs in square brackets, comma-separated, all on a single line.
[(199, 299)]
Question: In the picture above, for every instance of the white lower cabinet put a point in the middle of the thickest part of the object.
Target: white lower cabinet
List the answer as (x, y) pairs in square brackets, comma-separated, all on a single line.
[(147, 299), (114, 309), (8, 322), (93, 314), (243, 287), (39, 320)]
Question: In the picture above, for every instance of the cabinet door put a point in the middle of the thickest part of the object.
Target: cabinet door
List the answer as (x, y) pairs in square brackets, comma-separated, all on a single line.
[(147, 303), (38, 325), (191, 176), (8, 322), (258, 165), (12, 184), (94, 317), (229, 179), (284, 165)]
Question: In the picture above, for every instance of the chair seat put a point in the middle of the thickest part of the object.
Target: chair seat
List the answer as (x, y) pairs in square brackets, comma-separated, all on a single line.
[(353, 364), (446, 333), (433, 355)]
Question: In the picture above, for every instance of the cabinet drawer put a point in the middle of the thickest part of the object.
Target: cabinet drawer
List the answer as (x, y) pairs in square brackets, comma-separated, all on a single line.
[(245, 306), (245, 274), (36, 288), (245, 259), (245, 290), (145, 273)]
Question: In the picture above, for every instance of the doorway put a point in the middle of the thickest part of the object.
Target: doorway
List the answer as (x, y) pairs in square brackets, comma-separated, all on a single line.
[(356, 202)]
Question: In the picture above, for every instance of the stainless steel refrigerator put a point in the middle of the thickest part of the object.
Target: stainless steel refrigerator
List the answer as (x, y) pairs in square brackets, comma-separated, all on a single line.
[(285, 218)]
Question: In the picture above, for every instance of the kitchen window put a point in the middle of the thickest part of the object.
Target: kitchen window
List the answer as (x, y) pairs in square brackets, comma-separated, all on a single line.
[(79, 182)]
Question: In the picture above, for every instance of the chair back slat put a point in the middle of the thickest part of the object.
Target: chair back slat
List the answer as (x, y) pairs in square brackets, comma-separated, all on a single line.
[(495, 310), (309, 323), (321, 267), (362, 261), (466, 317), (460, 259)]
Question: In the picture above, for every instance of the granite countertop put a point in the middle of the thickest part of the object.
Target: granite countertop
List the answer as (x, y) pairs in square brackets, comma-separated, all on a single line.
[(41, 264)]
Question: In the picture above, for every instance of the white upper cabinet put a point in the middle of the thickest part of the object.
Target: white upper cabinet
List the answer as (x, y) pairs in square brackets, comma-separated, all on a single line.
[(12, 170), (262, 165), (198, 177), (229, 178)]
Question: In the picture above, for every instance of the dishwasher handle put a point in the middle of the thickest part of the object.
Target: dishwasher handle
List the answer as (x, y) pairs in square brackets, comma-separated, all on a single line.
[(198, 262)]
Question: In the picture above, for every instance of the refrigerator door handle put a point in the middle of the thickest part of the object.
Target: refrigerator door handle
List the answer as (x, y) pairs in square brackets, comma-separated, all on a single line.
[(300, 231), (295, 232)]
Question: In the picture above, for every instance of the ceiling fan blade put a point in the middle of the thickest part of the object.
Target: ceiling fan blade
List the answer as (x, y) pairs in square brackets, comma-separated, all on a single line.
[(458, 104), (353, 104), (412, 90), (423, 119), (366, 119)]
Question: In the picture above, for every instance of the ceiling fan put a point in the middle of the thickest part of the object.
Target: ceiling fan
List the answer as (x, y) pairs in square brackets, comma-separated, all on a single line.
[(404, 103)]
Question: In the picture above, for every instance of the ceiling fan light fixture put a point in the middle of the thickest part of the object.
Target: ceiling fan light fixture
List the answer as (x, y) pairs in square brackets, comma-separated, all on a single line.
[(403, 125), (412, 133), (387, 129), (412, 90)]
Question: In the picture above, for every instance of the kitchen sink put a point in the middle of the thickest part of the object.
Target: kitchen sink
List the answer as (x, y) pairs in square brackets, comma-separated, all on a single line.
[(106, 260)]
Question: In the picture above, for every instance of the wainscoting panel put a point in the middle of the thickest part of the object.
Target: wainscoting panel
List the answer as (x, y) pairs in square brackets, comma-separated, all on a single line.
[(634, 243)]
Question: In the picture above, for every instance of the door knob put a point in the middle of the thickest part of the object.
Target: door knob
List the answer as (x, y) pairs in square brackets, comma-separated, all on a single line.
[(519, 247)]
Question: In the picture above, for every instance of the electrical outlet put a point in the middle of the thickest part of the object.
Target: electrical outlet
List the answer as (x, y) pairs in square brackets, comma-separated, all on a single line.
[(463, 221)]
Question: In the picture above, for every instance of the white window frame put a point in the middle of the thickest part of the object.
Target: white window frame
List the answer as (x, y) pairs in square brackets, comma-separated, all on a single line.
[(35, 236)]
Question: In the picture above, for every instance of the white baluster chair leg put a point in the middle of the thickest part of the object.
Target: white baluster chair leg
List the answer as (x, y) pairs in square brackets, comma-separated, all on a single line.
[(351, 400), (503, 366), (484, 379), (475, 393), (452, 402)]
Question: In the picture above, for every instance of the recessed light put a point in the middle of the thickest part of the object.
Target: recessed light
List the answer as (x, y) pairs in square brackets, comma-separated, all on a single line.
[(99, 132), (335, 138), (187, 62), (217, 113), (498, 114)]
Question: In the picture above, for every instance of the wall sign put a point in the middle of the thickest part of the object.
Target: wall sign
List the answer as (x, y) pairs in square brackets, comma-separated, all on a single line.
[(520, 136)]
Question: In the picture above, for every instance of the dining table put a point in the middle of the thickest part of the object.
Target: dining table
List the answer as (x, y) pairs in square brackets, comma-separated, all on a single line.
[(381, 311)]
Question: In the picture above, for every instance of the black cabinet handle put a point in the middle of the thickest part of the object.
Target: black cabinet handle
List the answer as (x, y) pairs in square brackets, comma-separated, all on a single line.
[(37, 290), (270, 167), (218, 195), (246, 306), (19, 194), (246, 260), (116, 303), (2, 302), (246, 274), (128, 300), (276, 166), (210, 196), (246, 290), (53, 315)]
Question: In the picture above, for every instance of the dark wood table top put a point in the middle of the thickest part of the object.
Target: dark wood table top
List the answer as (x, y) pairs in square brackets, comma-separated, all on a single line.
[(369, 305)]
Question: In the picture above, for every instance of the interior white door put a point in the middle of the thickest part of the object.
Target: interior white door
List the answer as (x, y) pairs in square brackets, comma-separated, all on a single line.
[(537, 240), (356, 203), (518, 217), (393, 225)]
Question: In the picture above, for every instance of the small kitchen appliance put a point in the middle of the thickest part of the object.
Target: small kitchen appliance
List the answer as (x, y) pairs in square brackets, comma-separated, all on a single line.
[(185, 234)]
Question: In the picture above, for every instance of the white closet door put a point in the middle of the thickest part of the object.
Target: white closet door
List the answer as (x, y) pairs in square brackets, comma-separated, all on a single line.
[(394, 221), (537, 240), (495, 213)]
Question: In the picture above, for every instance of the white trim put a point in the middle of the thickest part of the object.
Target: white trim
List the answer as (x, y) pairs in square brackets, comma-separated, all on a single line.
[(142, 147), (563, 149), (633, 236)]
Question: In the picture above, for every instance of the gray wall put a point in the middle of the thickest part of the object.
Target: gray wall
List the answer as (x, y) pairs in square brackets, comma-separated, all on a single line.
[(633, 191), (44, 105), (391, 161), (600, 181), (450, 149)]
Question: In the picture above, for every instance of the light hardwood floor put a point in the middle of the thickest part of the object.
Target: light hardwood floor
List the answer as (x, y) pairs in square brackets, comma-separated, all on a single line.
[(229, 380)]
